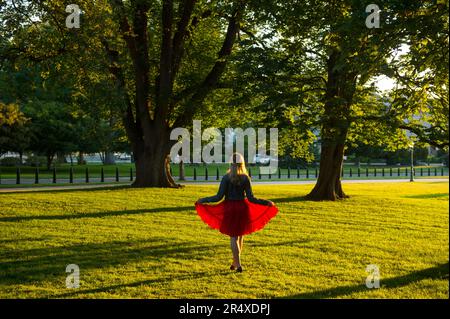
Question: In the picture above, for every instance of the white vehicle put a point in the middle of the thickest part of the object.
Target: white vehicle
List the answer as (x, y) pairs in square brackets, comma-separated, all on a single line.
[(262, 159)]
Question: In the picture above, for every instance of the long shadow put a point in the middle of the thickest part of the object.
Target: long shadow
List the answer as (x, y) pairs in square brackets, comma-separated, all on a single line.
[(99, 188), (291, 243), (438, 272), (50, 263), (141, 283), (426, 196), (290, 199), (97, 214)]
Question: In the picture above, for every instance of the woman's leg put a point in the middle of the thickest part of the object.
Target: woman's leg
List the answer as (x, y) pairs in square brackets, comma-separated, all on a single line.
[(241, 243), (235, 250)]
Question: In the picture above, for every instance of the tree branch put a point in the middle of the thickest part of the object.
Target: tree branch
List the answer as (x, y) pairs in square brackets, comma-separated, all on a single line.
[(164, 81), (217, 70), (127, 116)]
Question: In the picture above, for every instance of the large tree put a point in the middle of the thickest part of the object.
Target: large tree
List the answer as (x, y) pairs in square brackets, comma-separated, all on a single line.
[(165, 58), (154, 109), (322, 69)]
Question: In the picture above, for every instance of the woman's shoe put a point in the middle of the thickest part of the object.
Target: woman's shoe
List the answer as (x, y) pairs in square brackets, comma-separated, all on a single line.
[(239, 269)]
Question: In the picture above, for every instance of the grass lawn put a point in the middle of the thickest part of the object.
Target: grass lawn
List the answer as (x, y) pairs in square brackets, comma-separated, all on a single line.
[(150, 243)]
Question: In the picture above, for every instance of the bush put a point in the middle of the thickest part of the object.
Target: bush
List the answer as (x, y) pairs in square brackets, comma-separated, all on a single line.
[(10, 161)]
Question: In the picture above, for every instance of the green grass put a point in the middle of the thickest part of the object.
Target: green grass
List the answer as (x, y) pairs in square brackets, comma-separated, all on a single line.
[(150, 243)]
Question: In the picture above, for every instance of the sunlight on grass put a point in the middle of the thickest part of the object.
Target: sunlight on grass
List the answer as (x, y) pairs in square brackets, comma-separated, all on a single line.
[(150, 243)]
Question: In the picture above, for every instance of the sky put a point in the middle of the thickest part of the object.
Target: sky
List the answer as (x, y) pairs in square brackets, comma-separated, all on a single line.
[(384, 83)]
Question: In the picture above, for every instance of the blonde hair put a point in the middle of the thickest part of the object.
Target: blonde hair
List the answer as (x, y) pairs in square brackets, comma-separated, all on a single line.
[(237, 168)]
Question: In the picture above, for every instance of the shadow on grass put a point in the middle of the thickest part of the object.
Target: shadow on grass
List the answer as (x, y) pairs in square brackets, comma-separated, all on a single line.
[(290, 199), (438, 272), (290, 243), (76, 188), (98, 214), (425, 196), (49, 264), (166, 279)]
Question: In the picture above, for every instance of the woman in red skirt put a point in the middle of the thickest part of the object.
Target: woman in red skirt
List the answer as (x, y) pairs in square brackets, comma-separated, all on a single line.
[(237, 215)]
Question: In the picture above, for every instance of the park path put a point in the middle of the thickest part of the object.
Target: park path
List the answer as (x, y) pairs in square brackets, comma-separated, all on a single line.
[(255, 182)]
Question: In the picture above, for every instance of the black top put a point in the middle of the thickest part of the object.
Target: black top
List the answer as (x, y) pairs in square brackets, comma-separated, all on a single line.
[(235, 191)]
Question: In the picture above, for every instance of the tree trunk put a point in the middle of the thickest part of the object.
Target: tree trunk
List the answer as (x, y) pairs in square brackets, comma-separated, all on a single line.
[(109, 158), (339, 94), (152, 162), (81, 158), (61, 158), (328, 186), (49, 160)]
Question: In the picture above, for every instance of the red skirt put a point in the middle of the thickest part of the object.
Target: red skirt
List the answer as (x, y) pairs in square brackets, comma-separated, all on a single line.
[(236, 217)]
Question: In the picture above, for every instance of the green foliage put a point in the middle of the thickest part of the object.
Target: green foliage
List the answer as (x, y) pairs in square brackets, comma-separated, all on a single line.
[(286, 65), (13, 129)]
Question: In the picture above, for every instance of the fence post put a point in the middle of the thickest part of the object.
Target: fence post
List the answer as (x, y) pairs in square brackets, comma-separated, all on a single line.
[(270, 174), (429, 171), (421, 171), (367, 172), (390, 171), (102, 175), (36, 175), (382, 171), (71, 175), (206, 173), (316, 173), (217, 173), (117, 174), (359, 172), (342, 171), (279, 173), (298, 172), (195, 174), (435, 171), (351, 174), (406, 171), (131, 174), (398, 171), (442, 171), (259, 172), (289, 172), (307, 173), (87, 175), (375, 172), (17, 175), (54, 175)]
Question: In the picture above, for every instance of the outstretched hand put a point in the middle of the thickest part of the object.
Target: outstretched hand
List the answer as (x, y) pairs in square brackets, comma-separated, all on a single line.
[(271, 203)]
